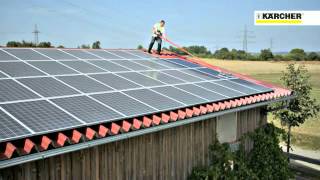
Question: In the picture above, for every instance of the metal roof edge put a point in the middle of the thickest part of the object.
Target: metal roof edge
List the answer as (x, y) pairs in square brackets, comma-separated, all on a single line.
[(118, 137)]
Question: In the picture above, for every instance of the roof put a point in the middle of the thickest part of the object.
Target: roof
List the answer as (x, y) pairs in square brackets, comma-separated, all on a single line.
[(53, 100)]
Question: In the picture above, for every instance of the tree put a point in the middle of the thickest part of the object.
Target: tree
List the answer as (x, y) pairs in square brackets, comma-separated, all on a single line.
[(14, 44), (176, 50), (313, 56), (60, 46), (297, 54), (84, 46), (302, 107), (140, 46), (223, 53), (96, 45), (265, 54), (44, 45)]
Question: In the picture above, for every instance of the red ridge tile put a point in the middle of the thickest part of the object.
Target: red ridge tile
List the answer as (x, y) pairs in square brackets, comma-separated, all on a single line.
[(222, 106), (45, 142), (9, 150), (155, 120), (196, 111), (189, 112), (227, 104), (76, 136), (136, 124), (233, 103), (28, 146), (103, 131), (165, 118), (173, 116), (90, 133), (182, 114), (243, 101), (216, 107), (209, 108), (61, 140), (239, 102), (125, 126), (146, 122), (248, 100), (115, 128), (203, 110)]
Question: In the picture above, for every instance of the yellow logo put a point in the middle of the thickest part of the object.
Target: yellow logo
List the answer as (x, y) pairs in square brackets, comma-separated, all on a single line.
[(278, 18)]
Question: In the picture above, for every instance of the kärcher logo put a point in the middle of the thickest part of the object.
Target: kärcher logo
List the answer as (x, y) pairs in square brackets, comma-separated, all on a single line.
[(279, 16)]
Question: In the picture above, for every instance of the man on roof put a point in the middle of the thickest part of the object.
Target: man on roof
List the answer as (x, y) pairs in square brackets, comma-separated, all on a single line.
[(157, 32)]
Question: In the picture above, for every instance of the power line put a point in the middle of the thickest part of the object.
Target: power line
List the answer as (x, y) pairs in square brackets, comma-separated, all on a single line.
[(247, 38), (36, 34)]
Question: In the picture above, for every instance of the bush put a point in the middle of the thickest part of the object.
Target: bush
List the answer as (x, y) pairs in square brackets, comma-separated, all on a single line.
[(297, 54), (265, 54), (313, 56), (140, 46), (264, 161)]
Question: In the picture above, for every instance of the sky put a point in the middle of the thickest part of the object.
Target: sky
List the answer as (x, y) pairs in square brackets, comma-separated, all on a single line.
[(126, 24)]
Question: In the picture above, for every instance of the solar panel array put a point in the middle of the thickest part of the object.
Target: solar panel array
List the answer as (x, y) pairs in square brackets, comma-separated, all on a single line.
[(46, 90)]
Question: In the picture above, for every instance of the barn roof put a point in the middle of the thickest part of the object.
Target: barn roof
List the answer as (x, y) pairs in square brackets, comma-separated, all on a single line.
[(54, 101)]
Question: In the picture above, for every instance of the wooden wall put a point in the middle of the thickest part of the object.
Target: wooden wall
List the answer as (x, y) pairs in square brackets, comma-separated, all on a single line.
[(168, 154)]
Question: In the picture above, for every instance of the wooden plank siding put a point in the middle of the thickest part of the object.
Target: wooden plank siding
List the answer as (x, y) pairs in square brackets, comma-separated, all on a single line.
[(167, 154)]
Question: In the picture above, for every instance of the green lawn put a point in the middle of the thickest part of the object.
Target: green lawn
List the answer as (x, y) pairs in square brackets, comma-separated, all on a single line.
[(306, 136)]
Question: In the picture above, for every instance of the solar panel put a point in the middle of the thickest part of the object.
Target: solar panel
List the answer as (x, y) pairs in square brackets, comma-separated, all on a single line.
[(154, 99), (140, 79), (158, 75), (2, 75), (131, 65), (104, 54), (19, 69), (141, 54), (182, 96), (46, 90), (109, 66), (151, 64), (184, 63), (124, 104), (47, 86), (169, 64), (237, 87), (220, 89), (83, 66), (199, 74), (12, 91), (206, 94), (114, 81), (124, 54), (87, 109), (215, 73), (81, 54), (26, 54), (41, 116), (183, 76), (55, 54), (84, 84), (53, 68), (250, 84), (10, 128), (6, 57)]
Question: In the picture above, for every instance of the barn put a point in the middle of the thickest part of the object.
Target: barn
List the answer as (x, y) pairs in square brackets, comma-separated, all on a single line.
[(119, 113)]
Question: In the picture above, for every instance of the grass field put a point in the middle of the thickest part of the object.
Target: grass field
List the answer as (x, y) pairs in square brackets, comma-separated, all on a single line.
[(308, 135)]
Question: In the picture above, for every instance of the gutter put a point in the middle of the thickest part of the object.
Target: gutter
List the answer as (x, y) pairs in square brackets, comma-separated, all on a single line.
[(85, 145)]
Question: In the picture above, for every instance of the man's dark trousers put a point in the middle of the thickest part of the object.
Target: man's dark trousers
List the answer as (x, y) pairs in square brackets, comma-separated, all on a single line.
[(159, 41)]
